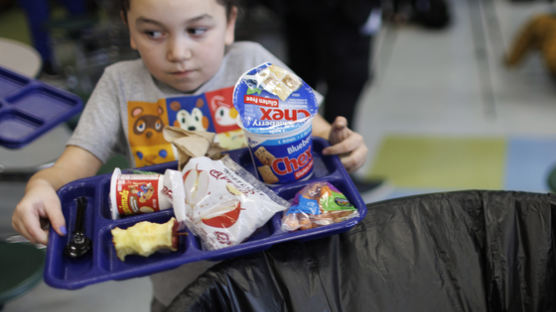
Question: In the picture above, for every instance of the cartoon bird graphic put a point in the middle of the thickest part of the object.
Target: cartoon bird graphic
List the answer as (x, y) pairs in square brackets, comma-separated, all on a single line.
[(226, 116)]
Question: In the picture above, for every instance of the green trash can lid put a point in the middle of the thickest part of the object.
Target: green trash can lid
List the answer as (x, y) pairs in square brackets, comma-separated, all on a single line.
[(21, 267)]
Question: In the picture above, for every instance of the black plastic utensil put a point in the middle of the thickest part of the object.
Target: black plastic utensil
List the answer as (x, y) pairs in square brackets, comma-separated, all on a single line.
[(79, 244)]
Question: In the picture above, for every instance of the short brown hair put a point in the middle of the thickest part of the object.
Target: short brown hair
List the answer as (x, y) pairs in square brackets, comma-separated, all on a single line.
[(229, 4)]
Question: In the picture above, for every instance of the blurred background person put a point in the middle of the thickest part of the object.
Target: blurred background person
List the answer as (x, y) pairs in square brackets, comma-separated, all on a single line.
[(329, 45)]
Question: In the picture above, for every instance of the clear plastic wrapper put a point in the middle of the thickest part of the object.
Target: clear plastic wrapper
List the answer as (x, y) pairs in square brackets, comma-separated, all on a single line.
[(317, 204), (220, 201)]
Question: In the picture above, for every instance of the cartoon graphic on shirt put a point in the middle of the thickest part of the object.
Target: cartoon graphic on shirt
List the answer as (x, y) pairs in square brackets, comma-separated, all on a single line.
[(226, 119), (212, 111), (224, 114), (189, 113), (146, 122), (194, 121)]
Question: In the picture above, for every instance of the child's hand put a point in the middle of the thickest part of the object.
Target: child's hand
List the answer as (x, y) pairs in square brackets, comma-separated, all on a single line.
[(347, 144), (40, 204)]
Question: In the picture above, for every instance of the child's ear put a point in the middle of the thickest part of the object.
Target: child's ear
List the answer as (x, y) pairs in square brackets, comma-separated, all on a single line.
[(123, 16), (132, 42), (230, 28)]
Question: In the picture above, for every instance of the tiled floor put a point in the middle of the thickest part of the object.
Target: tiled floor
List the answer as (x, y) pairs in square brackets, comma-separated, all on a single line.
[(446, 91), (442, 88)]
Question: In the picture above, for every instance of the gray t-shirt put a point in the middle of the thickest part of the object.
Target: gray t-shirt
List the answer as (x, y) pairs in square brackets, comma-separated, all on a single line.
[(127, 93), (126, 89)]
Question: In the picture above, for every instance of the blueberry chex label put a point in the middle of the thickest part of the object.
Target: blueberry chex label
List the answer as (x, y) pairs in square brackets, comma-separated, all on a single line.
[(276, 109)]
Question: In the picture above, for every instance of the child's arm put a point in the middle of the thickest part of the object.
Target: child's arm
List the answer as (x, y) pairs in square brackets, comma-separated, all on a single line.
[(347, 144), (41, 201)]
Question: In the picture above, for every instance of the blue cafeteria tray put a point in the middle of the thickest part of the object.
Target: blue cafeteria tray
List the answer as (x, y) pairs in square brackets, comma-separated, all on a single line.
[(29, 108), (102, 264)]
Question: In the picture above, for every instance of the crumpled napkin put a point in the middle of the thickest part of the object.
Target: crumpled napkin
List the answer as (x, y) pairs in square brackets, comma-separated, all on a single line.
[(192, 144)]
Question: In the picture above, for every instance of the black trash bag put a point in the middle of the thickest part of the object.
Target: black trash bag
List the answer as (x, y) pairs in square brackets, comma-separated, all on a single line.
[(458, 251)]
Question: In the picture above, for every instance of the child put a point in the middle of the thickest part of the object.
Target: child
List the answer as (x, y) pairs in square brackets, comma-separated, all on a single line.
[(187, 52)]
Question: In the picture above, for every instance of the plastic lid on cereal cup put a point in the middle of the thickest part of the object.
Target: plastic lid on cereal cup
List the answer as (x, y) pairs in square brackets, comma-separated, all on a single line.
[(271, 100)]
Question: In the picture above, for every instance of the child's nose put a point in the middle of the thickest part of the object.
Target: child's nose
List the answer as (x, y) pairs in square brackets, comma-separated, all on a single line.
[(178, 50)]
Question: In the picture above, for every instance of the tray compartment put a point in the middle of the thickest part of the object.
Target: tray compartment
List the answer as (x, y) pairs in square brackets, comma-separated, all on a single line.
[(43, 102), (242, 156), (15, 126), (104, 197), (263, 232), (29, 108), (11, 83), (68, 268), (288, 192), (323, 166), (104, 204), (110, 262), (62, 270)]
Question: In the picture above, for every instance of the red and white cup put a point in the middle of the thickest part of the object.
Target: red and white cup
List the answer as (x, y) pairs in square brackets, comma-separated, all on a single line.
[(132, 194)]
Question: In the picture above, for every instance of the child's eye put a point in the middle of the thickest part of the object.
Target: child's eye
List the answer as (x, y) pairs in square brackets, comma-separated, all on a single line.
[(154, 34), (197, 31)]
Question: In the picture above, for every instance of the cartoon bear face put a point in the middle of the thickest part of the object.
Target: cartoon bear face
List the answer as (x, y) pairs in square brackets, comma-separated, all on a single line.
[(145, 124)]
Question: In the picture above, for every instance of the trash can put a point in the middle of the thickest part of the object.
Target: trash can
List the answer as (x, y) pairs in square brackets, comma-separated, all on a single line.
[(21, 267), (456, 251)]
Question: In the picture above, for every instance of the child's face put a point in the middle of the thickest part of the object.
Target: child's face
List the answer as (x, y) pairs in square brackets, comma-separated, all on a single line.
[(181, 42)]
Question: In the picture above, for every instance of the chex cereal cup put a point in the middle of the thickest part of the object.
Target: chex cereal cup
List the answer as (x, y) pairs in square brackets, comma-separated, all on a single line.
[(276, 109)]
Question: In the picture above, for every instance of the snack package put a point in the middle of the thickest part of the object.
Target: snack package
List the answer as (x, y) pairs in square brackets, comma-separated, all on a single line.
[(192, 143), (220, 201), (276, 109), (136, 193), (317, 204)]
